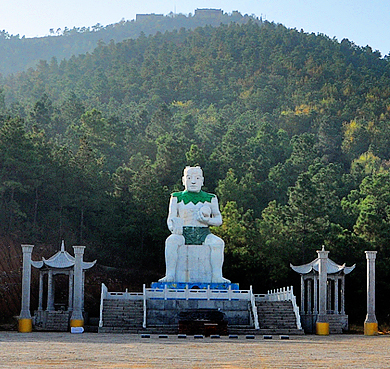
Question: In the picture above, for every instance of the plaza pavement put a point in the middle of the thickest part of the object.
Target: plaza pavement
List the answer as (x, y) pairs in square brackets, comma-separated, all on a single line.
[(92, 350)]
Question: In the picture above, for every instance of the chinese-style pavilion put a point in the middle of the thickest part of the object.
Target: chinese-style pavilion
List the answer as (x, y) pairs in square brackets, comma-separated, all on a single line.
[(334, 298)]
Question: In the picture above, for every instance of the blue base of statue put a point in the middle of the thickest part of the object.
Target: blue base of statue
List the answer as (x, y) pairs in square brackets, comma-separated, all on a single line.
[(200, 286)]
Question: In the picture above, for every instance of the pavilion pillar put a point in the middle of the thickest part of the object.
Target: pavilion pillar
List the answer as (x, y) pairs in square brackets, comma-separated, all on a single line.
[(70, 297), (77, 319), (336, 295), (342, 295), (40, 298), (82, 293), (329, 295), (370, 324), (302, 294), (315, 294), (322, 324), (309, 303), (25, 321), (50, 291)]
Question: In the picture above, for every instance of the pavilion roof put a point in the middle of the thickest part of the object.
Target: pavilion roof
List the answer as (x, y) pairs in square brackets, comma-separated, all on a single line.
[(331, 266), (60, 260)]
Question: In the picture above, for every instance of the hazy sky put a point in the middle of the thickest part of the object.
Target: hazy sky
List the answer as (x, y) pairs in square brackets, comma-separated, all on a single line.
[(365, 22)]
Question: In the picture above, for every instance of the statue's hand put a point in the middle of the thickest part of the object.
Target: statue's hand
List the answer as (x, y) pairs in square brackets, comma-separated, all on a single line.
[(176, 226), (204, 214)]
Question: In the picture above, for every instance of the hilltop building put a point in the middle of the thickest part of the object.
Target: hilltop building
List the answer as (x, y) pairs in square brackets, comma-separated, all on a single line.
[(208, 13), (141, 17)]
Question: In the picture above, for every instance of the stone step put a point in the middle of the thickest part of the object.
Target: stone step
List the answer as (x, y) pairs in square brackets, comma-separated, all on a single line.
[(167, 329), (126, 308), (107, 303), (280, 316), (281, 313), (115, 311), (122, 324), (91, 328), (122, 321), (274, 317), (281, 308), (122, 317), (265, 331), (125, 313), (273, 304), (141, 330), (115, 307), (275, 321), (118, 330), (121, 305)]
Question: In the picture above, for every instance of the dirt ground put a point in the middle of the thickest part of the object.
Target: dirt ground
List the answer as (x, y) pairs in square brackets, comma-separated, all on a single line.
[(91, 350)]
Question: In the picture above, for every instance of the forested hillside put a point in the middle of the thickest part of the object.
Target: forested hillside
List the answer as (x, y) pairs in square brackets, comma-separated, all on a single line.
[(292, 130), (19, 53)]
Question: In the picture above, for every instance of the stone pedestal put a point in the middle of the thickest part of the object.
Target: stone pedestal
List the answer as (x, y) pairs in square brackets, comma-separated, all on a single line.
[(193, 264), (193, 270)]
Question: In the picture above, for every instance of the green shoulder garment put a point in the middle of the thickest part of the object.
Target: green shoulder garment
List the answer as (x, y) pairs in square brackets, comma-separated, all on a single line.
[(193, 197)]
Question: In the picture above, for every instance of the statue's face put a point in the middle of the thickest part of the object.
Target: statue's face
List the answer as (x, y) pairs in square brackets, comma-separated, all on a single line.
[(193, 179)]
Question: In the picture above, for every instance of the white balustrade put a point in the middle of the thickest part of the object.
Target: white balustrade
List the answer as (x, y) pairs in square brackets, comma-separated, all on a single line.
[(192, 294), (254, 309), (145, 311), (103, 296)]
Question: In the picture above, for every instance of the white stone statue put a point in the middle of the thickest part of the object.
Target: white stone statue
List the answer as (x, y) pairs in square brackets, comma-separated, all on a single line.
[(192, 252)]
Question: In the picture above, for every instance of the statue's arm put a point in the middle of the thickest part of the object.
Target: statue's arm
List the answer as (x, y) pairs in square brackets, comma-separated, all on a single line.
[(172, 212), (216, 218), (175, 224)]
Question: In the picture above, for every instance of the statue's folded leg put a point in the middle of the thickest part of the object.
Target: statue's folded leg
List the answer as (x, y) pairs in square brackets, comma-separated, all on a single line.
[(172, 244), (217, 246)]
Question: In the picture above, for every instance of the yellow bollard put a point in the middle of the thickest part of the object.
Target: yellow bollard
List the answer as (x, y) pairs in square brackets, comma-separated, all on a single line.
[(322, 329), (370, 329), (25, 325), (77, 323)]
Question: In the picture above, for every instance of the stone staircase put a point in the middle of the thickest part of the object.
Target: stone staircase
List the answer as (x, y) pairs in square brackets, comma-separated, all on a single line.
[(275, 317), (122, 316)]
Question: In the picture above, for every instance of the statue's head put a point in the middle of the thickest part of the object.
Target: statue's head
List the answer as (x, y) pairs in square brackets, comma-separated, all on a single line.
[(193, 179)]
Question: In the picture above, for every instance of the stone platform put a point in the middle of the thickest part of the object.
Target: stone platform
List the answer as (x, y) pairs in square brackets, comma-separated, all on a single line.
[(193, 264), (167, 312), (194, 285), (161, 310)]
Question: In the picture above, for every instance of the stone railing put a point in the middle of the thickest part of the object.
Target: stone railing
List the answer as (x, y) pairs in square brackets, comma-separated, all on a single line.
[(193, 294), (286, 294), (103, 296), (124, 295), (254, 309), (145, 309)]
